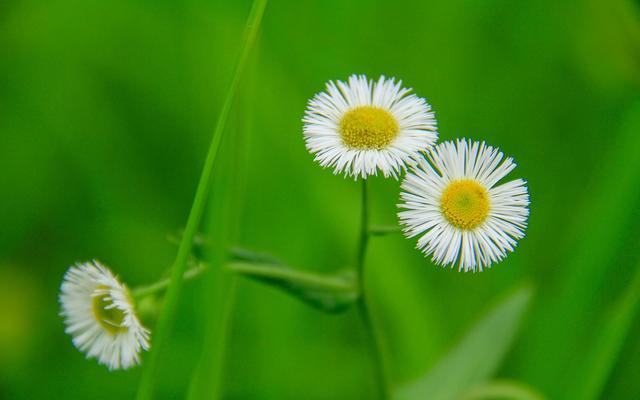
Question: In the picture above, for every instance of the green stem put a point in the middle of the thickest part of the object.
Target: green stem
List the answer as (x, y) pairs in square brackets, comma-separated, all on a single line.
[(162, 284), (373, 336), (383, 230), (145, 390), (270, 271)]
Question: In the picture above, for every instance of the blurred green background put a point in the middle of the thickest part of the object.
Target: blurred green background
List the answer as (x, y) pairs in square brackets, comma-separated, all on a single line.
[(106, 111)]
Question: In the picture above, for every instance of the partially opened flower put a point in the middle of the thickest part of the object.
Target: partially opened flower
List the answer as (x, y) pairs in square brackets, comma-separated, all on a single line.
[(99, 314), (360, 127), (453, 201)]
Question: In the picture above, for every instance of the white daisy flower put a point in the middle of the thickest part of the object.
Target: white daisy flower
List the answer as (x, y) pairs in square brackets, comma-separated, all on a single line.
[(452, 201), (360, 127), (99, 314)]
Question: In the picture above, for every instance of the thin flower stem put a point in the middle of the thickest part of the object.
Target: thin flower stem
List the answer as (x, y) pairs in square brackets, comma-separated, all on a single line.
[(373, 335), (165, 322), (383, 230), (162, 284)]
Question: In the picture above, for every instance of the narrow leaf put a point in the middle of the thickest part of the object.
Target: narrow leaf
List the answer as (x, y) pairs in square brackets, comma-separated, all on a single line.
[(478, 355), (610, 203), (167, 317), (330, 293), (501, 390), (602, 354)]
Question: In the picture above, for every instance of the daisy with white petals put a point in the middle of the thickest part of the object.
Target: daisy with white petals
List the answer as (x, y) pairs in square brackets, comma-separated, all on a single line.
[(452, 201), (361, 126), (99, 315)]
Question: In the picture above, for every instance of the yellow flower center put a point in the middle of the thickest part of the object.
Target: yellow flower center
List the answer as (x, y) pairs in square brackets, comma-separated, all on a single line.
[(368, 127), (110, 319), (465, 204)]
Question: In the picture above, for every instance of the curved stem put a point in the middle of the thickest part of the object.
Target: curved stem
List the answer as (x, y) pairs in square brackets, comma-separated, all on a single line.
[(272, 272), (373, 336), (162, 284), (384, 230)]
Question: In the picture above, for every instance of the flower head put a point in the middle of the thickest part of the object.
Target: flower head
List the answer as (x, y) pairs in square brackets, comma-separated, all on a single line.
[(452, 200), (360, 127), (99, 315)]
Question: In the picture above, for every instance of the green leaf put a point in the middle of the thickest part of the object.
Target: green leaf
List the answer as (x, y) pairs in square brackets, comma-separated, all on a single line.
[(168, 314), (501, 389), (331, 293), (602, 354), (478, 355), (610, 203)]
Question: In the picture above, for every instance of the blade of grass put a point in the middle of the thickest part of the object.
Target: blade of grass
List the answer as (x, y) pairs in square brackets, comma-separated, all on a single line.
[(145, 390), (224, 220), (501, 389), (477, 356), (605, 215), (602, 354), (206, 378), (219, 287)]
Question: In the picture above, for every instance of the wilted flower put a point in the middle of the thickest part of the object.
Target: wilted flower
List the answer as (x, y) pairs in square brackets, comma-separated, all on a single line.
[(99, 315)]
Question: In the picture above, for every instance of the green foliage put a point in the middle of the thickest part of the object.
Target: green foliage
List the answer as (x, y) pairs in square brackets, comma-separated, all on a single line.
[(501, 390), (327, 292), (166, 318), (610, 336), (610, 204), (107, 110), (477, 357)]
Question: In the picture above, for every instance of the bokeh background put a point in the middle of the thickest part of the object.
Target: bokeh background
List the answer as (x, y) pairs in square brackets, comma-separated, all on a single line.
[(106, 111)]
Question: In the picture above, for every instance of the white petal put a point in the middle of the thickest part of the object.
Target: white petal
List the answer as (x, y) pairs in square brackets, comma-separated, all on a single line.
[(418, 131), (422, 216), (81, 284)]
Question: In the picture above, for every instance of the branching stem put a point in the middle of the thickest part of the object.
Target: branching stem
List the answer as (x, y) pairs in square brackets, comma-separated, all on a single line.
[(373, 335)]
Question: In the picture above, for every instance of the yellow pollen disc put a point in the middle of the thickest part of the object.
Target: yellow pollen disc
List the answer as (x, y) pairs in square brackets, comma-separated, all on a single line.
[(110, 319), (368, 127), (465, 203)]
